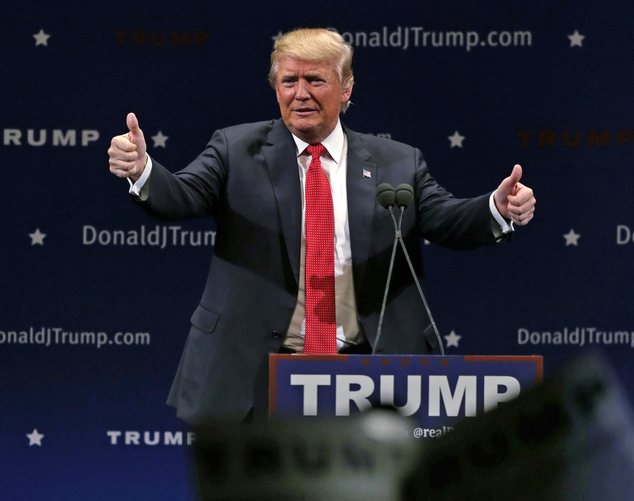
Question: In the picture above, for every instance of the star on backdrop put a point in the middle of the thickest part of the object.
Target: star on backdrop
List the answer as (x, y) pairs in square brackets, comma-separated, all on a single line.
[(41, 38), (37, 237), (456, 140), (35, 438), (159, 140), (571, 237), (452, 339), (576, 39), (278, 36)]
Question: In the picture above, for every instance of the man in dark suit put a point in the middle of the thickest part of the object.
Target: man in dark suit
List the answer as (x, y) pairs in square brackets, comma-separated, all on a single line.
[(252, 179)]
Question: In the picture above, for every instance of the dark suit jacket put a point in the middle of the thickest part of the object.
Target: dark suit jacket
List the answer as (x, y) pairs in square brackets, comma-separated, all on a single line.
[(247, 178)]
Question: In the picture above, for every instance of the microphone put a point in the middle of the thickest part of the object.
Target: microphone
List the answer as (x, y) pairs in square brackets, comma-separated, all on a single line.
[(385, 195), (403, 196)]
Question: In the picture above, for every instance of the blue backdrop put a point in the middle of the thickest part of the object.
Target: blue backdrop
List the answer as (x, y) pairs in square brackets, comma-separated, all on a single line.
[(96, 297)]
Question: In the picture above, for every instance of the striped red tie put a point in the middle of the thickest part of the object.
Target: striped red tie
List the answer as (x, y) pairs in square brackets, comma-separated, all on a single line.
[(321, 325)]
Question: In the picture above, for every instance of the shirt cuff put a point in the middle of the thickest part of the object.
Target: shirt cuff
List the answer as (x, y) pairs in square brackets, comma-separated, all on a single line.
[(505, 227), (135, 188)]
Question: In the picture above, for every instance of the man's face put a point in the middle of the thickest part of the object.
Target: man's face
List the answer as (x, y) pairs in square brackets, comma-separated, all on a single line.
[(310, 96)]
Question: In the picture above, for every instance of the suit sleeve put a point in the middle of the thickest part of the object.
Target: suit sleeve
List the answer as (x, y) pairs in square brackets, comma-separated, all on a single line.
[(446, 220), (194, 191)]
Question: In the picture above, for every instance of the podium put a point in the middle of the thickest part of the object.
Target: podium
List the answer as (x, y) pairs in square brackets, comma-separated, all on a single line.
[(352, 427), (434, 391)]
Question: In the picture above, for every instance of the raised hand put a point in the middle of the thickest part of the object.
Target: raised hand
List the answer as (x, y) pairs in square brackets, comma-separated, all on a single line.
[(514, 200), (127, 152)]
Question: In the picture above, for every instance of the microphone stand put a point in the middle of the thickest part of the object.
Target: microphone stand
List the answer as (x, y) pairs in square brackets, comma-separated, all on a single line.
[(420, 290), (387, 284), (404, 195)]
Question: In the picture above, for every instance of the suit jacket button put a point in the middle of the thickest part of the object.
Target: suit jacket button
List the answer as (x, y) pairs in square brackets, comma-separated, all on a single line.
[(276, 335)]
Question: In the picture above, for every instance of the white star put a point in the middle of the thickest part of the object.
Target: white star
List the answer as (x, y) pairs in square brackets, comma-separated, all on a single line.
[(278, 36), (35, 438), (452, 339), (576, 39), (41, 38), (456, 140), (37, 237), (571, 237), (159, 140)]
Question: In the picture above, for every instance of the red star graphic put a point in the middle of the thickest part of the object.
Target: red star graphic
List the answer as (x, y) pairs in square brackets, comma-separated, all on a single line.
[(445, 362), (365, 361), (385, 361), (424, 362), (404, 362)]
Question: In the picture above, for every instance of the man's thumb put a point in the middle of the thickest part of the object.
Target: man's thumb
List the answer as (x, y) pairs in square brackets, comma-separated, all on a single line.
[(508, 185), (516, 175), (133, 125)]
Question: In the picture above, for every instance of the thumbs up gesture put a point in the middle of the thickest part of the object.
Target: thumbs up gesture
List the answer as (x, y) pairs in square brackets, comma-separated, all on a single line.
[(128, 152), (513, 200)]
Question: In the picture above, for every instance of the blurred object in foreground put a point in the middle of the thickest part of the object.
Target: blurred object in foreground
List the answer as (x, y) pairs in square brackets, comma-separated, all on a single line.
[(361, 458), (569, 439)]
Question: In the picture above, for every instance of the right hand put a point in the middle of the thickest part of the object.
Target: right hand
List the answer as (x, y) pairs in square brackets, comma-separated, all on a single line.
[(128, 152)]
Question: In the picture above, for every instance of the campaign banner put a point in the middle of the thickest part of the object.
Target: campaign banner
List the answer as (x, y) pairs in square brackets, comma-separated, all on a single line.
[(434, 391)]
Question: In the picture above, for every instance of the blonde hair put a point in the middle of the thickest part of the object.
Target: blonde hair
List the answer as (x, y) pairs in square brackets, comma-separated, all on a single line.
[(313, 45)]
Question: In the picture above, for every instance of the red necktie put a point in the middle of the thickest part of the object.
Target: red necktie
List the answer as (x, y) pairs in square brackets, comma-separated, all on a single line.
[(321, 325)]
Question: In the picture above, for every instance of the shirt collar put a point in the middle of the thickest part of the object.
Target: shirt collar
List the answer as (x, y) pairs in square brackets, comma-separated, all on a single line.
[(333, 143)]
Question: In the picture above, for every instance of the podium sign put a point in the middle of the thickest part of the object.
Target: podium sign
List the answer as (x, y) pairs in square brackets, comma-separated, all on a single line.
[(435, 391)]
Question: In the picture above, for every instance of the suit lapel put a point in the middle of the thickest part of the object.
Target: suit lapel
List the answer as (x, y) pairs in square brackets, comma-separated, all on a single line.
[(281, 160), (361, 179)]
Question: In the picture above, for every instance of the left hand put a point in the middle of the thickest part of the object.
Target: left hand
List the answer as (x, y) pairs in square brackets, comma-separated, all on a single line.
[(514, 200)]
